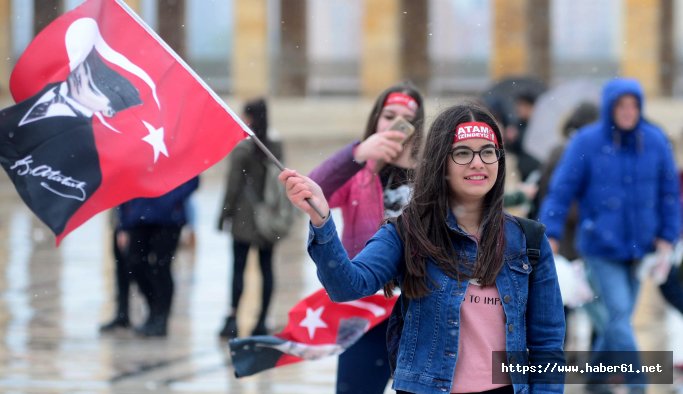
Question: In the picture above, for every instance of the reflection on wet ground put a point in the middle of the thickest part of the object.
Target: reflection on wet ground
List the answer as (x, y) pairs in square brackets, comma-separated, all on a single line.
[(52, 301)]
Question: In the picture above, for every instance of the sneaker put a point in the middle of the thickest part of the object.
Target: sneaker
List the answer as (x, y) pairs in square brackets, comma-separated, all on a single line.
[(229, 330), (118, 323)]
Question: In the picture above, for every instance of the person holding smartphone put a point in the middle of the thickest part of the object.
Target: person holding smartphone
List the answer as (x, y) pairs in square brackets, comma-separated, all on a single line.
[(370, 180), (471, 287)]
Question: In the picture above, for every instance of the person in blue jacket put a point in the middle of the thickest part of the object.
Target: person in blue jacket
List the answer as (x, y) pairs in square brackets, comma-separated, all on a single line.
[(148, 232), (621, 170), (461, 262)]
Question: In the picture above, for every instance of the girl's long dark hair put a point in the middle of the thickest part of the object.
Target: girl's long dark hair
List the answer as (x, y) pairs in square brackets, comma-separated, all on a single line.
[(423, 226)]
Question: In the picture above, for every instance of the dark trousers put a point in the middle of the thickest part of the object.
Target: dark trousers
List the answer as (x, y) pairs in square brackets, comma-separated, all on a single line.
[(240, 251), (150, 254), (364, 367), (672, 290), (124, 276)]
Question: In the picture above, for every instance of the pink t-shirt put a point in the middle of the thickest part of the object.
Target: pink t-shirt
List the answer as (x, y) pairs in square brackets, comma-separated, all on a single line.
[(482, 331)]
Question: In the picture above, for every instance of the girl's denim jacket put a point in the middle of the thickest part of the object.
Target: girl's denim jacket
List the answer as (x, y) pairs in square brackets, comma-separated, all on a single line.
[(428, 351)]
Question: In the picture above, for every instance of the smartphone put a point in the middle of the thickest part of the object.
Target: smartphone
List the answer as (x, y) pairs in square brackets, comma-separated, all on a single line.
[(401, 124)]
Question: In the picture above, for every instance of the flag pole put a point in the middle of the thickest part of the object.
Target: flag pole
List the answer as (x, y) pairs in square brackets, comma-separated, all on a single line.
[(279, 165)]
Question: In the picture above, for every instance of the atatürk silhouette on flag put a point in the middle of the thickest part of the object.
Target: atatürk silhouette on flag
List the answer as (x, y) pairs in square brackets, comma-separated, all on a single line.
[(47, 145)]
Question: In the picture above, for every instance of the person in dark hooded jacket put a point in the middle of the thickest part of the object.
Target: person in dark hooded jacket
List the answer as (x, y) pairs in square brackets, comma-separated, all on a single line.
[(622, 173), (245, 185)]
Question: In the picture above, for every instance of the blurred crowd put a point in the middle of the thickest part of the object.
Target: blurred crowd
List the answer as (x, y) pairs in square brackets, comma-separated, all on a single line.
[(581, 158)]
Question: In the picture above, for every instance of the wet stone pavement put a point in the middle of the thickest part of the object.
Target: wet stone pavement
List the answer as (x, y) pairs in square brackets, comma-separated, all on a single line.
[(52, 301)]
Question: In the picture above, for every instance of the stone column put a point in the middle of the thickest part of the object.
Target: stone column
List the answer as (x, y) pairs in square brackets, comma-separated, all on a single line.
[(381, 52), (293, 64), (44, 12), (642, 39), (521, 39), (414, 49), (250, 56), (171, 24), (538, 35), (6, 60), (667, 49), (510, 49), (135, 5)]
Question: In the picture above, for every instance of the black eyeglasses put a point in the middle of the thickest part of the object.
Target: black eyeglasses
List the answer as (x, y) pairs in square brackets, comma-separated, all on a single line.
[(464, 156)]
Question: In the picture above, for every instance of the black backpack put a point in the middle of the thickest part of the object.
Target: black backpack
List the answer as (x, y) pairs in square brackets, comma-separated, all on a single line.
[(533, 232)]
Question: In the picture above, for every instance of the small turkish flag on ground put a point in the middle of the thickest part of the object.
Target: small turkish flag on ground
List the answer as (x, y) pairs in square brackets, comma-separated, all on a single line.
[(317, 328), (106, 112)]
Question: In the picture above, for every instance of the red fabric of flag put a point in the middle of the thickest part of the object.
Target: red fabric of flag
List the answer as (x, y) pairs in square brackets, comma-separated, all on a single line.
[(317, 327), (107, 113)]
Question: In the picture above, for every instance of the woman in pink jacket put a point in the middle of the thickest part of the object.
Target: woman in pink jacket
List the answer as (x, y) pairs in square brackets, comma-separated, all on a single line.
[(370, 181)]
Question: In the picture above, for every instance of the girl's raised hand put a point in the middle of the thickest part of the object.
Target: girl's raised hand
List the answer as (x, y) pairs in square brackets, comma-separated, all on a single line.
[(299, 188), (382, 146)]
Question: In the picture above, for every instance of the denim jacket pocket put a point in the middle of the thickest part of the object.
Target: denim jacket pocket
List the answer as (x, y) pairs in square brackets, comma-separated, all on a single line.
[(520, 271), (519, 263)]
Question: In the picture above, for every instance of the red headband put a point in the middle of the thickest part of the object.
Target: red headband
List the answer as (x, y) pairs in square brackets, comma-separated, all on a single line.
[(469, 130), (401, 99)]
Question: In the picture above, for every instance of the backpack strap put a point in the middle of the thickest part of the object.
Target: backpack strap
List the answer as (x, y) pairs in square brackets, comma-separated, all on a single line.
[(404, 303), (533, 232)]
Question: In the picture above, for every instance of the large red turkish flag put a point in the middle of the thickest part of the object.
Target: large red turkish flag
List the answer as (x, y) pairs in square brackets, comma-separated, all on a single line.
[(106, 112)]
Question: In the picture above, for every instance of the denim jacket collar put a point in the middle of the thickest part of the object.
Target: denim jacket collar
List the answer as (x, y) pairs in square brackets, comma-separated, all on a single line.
[(452, 223)]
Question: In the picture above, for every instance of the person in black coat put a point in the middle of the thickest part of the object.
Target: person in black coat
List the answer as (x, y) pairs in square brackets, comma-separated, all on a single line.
[(245, 185), (147, 238)]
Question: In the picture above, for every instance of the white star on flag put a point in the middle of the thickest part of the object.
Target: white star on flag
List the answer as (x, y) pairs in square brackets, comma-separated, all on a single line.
[(313, 320), (156, 139)]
